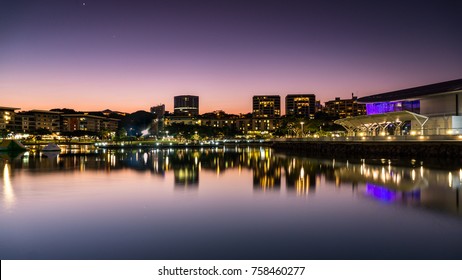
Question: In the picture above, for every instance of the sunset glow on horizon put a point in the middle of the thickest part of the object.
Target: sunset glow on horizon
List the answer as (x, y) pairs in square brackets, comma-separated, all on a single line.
[(131, 55)]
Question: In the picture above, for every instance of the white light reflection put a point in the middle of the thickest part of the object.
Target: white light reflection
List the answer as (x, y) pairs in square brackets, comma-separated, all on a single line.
[(8, 192)]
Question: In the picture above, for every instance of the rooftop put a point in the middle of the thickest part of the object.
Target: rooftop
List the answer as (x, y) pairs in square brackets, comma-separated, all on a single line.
[(83, 115), (415, 92), (45, 112), (9, 108)]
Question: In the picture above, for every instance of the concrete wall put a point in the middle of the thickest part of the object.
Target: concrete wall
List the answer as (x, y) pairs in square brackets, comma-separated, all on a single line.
[(374, 149), (441, 105)]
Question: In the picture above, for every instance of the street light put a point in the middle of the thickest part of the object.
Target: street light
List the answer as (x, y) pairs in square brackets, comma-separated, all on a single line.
[(302, 123)]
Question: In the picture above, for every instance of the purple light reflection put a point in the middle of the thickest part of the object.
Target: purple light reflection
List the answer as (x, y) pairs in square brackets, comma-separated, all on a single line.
[(380, 193)]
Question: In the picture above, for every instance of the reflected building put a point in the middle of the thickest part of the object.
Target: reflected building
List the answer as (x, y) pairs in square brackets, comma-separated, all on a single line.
[(303, 175), (301, 181), (186, 176), (185, 168), (266, 170), (415, 186), (389, 195)]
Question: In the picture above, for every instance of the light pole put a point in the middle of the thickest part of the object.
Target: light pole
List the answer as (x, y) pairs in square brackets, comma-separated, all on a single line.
[(302, 123)]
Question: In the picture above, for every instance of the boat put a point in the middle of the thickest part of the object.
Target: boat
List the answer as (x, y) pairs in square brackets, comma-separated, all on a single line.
[(51, 147)]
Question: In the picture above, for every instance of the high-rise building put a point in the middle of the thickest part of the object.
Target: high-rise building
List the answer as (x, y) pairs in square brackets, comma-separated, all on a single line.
[(266, 106), (186, 105), (158, 110), (318, 106), (158, 122), (301, 105)]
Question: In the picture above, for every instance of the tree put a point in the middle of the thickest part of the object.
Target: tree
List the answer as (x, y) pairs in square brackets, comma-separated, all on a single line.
[(42, 131), (135, 123)]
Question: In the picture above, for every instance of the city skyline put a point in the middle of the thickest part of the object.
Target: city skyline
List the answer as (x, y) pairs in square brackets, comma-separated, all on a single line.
[(129, 56), (179, 111)]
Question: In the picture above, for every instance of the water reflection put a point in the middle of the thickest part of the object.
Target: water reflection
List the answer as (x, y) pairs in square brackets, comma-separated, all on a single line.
[(414, 185), (8, 191)]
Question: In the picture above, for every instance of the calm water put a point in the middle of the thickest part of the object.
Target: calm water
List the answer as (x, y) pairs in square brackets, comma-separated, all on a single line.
[(228, 203)]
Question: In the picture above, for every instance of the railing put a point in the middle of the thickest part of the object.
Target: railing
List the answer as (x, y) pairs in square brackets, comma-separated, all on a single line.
[(373, 138)]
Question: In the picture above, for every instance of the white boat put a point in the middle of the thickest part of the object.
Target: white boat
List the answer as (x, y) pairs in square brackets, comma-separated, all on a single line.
[(51, 148)]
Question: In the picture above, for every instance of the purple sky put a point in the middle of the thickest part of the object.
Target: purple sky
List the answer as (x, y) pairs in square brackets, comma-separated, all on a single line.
[(130, 55)]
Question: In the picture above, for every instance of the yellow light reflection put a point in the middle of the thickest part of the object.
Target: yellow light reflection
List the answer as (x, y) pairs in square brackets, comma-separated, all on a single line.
[(8, 192), (301, 185)]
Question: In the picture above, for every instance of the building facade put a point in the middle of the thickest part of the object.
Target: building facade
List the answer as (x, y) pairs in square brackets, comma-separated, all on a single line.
[(266, 106), (344, 108), (85, 122), (7, 118), (25, 122), (158, 122), (301, 105), (246, 126), (158, 110), (187, 105), (434, 109), (42, 120)]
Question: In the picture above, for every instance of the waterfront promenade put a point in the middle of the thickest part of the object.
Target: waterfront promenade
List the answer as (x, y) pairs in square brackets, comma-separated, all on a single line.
[(418, 147)]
